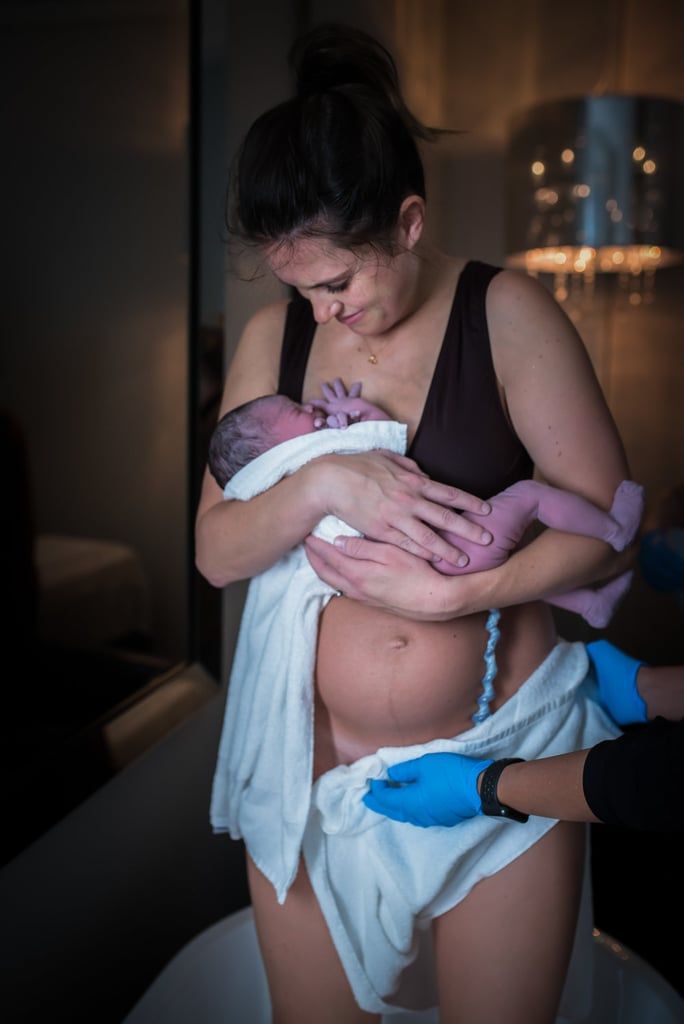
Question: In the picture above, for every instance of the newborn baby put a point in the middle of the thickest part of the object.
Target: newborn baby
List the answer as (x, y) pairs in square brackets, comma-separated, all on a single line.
[(253, 428)]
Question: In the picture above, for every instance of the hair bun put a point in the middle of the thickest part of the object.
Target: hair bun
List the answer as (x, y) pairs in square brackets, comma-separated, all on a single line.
[(337, 160), (330, 56)]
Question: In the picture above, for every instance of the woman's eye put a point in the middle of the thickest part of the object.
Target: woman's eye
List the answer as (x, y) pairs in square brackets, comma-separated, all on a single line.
[(334, 288)]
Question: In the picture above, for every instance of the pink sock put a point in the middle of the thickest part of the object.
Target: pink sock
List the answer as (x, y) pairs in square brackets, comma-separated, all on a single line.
[(606, 600)]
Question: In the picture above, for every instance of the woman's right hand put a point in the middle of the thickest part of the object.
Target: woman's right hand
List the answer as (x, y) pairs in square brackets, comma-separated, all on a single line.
[(388, 498)]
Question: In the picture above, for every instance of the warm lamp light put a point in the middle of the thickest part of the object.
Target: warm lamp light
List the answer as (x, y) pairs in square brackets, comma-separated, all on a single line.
[(596, 185)]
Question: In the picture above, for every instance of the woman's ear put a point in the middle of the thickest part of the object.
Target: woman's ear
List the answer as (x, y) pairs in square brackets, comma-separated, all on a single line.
[(411, 221)]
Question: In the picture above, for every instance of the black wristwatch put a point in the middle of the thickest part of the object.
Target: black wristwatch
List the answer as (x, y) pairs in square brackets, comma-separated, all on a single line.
[(490, 801)]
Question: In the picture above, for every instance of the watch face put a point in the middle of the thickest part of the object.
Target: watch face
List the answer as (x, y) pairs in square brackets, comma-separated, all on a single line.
[(511, 813)]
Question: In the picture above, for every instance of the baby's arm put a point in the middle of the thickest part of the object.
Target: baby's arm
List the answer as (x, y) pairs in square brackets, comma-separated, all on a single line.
[(343, 407)]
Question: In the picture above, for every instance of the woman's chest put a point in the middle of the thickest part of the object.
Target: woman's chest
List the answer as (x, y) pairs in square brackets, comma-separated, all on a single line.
[(395, 374)]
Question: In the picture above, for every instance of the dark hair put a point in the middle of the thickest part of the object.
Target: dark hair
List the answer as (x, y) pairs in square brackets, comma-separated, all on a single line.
[(240, 436), (338, 159)]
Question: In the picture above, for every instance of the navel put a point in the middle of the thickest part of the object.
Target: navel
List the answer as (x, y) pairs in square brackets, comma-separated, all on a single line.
[(398, 643)]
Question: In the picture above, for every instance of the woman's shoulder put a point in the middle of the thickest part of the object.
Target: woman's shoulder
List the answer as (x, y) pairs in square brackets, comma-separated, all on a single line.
[(521, 311), (528, 330), (502, 289), (254, 366), (515, 295), (268, 319)]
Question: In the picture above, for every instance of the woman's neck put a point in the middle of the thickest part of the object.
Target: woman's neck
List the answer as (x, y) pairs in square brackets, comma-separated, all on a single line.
[(433, 273)]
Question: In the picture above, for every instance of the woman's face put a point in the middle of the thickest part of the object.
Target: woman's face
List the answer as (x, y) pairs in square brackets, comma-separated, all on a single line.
[(368, 293)]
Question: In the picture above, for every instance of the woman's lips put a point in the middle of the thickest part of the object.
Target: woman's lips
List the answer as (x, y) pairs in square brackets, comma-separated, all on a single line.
[(351, 319)]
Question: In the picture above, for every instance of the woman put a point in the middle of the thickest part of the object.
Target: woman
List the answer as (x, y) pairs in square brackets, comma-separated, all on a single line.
[(330, 189)]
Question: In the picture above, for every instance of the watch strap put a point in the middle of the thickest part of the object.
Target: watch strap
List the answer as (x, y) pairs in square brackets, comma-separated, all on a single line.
[(491, 805)]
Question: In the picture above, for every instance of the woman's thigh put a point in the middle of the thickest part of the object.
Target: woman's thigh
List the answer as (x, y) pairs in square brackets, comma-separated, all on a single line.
[(306, 979), (503, 952)]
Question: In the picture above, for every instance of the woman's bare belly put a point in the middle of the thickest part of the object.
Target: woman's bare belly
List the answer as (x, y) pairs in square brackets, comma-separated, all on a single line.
[(386, 681)]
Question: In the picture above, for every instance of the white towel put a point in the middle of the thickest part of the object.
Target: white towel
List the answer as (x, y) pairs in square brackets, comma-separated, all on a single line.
[(262, 783), (380, 883)]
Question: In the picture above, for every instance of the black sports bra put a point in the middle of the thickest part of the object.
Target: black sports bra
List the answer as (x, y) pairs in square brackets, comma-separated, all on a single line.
[(463, 437)]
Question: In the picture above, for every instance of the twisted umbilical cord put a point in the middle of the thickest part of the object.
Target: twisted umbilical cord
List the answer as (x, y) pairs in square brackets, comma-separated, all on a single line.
[(491, 667)]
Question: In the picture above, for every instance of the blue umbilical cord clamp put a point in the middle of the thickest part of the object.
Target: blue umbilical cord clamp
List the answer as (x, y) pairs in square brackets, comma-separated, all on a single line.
[(491, 668)]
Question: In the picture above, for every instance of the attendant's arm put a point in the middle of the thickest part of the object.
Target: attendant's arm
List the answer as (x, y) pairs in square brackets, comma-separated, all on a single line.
[(444, 789), (380, 494), (662, 690), (558, 411), (636, 780), (633, 781), (550, 788)]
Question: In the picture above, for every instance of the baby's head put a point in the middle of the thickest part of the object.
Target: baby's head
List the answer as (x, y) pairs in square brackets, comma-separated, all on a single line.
[(252, 429)]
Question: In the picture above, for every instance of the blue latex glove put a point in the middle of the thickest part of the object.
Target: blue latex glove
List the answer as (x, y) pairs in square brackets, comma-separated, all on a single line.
[(616, 676), (435, 789)]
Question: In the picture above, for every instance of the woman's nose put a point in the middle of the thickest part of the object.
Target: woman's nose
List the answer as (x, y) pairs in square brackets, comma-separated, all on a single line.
[(325, 308)]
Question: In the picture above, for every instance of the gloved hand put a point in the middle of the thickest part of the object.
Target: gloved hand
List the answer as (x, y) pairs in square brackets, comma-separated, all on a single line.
[(435, 789), (616, 675)]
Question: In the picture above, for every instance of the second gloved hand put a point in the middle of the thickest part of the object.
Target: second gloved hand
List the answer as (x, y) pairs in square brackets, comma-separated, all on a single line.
[(435, 789), (617, 674)]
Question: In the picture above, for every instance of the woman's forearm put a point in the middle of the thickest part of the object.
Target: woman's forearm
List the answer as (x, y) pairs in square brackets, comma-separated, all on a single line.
[(552, 564), (238, 539), (379, 493), (389, 578)]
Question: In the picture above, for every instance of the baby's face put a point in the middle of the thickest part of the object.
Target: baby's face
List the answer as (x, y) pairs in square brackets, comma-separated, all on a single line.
[(292, 420)]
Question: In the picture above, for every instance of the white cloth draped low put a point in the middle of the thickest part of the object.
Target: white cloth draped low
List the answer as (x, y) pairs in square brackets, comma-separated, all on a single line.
[(262, 783), (380, 883)]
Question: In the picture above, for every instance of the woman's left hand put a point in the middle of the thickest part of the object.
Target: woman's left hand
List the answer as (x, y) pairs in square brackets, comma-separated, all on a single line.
[(383, 576)]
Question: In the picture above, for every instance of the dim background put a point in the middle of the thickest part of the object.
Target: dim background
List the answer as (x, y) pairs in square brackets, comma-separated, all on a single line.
[(120, 311)]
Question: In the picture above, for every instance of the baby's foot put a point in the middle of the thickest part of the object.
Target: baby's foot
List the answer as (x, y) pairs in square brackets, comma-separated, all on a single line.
[(606, 599), (627, 510)]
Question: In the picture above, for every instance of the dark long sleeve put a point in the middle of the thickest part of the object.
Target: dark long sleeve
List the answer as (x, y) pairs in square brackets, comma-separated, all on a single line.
[(637, 780)]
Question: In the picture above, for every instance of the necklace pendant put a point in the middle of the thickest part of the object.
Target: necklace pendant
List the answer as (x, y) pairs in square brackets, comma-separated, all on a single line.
[(373, 360)]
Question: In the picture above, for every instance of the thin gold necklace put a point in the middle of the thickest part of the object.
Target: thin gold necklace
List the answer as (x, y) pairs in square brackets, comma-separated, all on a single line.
[(372, 358)]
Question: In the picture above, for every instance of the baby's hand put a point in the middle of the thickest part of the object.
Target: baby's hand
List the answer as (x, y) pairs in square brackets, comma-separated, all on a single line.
[(343, 407), (335, 402), (337, 389)]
